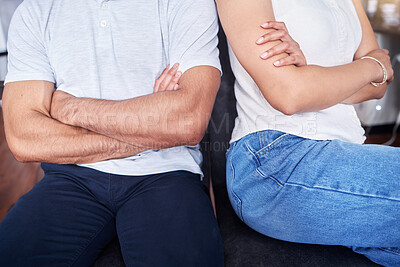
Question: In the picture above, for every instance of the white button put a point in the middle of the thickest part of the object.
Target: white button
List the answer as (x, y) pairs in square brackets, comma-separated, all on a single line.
[(104, 5), (103, 23)]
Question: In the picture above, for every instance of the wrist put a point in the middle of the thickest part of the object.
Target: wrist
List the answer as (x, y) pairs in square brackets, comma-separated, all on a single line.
[(380, 74), (68, 111)]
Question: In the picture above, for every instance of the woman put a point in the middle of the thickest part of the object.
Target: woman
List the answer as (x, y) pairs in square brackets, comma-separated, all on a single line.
[(297, 169)]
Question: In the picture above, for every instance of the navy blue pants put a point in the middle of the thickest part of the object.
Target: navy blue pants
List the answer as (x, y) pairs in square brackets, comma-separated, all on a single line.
[(74, 212)]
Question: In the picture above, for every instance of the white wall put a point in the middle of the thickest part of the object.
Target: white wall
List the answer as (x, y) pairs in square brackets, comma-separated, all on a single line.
[(7, 8)]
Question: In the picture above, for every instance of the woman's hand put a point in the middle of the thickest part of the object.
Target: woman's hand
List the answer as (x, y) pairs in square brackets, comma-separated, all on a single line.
[(168, 80), (288, 45), (383, 56)]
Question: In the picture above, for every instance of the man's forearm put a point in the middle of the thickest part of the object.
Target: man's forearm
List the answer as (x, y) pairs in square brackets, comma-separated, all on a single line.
[(138, 121), (44, 139), (159, 120)]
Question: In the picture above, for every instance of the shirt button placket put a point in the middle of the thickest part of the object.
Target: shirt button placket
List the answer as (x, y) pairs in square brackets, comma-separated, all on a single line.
[(104, 14), (341, 25)]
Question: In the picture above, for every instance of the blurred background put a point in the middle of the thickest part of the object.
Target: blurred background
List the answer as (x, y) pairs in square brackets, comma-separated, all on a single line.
[(379, 117)]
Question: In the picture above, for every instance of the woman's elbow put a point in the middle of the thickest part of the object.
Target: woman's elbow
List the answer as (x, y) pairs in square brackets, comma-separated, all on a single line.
[(380, 92), (288, 110), (283, 100)]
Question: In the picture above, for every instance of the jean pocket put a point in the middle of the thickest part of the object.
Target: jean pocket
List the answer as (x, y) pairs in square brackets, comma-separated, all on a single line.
[(271, 145), (273, 182)]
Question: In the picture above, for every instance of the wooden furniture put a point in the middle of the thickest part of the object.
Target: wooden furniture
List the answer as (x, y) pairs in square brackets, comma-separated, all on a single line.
[(16, 178)]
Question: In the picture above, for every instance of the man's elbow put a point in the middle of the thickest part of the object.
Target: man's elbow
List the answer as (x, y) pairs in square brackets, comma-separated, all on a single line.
[(19, 150), (196, 138), (193, 135), (193, 138)]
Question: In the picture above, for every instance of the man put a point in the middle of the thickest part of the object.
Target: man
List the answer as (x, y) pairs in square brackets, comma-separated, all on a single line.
[(133, 139)]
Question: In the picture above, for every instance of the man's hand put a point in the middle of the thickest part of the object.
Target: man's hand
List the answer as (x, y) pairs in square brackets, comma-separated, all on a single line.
[(60, 109), (62, 102), (288, 45), (168, 80)]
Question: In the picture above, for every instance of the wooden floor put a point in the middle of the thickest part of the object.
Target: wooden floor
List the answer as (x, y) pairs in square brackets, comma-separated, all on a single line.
[(18, 178)]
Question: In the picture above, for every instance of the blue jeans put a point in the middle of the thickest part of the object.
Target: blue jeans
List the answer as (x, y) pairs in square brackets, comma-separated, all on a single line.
[(318, 192), (74, 212)]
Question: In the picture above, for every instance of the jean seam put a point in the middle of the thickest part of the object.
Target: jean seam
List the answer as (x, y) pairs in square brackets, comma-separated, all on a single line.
[(270, 177), (238, 200), (262, 139), (252, 153), (91, 238), (390, 251), (272, 145), (339, 191)]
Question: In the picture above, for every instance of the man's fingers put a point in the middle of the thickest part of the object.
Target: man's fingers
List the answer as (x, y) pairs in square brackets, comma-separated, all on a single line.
[(174, 82), (160, 79), (168, 78), (274, 25), (276, 50), (176, 78)]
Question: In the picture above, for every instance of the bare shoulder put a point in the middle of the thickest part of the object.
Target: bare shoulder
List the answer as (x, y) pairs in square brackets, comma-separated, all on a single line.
[(242, 19)]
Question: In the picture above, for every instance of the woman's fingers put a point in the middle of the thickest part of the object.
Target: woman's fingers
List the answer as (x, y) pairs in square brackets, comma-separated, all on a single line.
[(291, 60), (274, 25), (276, 50), (288, 45), (274, 36), (296, 56), (390, 80)]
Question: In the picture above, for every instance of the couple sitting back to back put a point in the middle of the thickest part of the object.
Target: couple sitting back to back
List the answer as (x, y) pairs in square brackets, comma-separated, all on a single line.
[(113, 98)]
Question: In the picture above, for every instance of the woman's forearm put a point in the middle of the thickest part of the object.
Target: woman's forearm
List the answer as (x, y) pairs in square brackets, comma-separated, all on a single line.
[(313, 88), (292, 89), (366, 93)]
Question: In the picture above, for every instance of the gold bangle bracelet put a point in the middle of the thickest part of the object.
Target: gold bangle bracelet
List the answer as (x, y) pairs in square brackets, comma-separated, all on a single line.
[(385, 74)]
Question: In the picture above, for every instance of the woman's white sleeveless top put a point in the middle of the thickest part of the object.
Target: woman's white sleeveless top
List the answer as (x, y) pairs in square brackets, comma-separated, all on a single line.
[(329, 33)]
